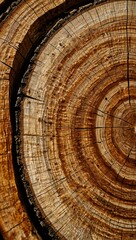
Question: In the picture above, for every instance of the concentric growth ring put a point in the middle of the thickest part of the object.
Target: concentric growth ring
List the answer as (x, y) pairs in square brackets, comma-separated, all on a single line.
[(78, 125)]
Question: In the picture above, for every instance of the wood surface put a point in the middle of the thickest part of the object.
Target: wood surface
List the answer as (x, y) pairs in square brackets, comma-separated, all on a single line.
[(68, 121)]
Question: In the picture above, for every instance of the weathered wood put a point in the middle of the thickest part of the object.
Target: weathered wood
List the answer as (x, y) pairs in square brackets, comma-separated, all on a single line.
[(14, 222), (75, 121)]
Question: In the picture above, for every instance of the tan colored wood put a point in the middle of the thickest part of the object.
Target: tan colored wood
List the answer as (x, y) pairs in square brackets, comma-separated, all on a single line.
[(77, 123), (14, 222)]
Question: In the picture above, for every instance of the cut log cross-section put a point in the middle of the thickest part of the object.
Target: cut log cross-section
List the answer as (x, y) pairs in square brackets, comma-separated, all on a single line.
[(69, 87)]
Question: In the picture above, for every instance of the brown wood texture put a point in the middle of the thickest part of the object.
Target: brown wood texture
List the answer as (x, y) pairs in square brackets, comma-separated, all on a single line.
[(14, 222), (75, 121)]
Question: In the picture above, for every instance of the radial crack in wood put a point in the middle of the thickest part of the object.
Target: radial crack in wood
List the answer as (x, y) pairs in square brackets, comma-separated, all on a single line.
[(68, 120)]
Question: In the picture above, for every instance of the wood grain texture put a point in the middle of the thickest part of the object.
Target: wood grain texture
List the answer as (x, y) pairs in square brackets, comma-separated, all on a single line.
[(75, 121), (14, 222)]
